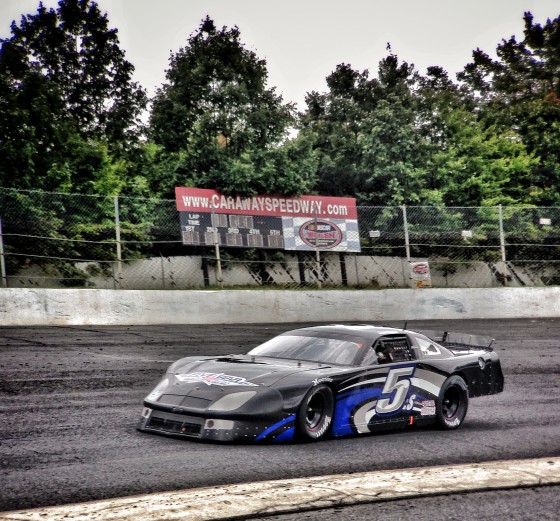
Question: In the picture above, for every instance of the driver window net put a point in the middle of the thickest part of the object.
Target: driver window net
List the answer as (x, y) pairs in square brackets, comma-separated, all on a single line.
[(393, 350)]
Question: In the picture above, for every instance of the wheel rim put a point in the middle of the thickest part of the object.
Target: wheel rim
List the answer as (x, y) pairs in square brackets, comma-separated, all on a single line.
[(451, 403), (315, 411)]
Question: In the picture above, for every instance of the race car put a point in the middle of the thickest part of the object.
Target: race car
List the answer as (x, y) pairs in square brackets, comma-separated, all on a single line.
[(324, 381)]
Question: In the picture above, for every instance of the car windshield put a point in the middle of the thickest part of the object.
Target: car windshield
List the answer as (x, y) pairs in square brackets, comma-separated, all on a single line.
[(310, 348)]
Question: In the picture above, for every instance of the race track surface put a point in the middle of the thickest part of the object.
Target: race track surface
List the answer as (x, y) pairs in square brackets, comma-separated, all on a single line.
[(70, 398)]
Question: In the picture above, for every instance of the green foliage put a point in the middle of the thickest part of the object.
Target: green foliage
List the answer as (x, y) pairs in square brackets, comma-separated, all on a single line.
[(333, 123), (68, 123), (521, 90), (52, 229), (66, 92), (392, 151), (403, 138), (74, 49), (366, 133), (26, 227), (217, 122), (477, 166), (69, 120)]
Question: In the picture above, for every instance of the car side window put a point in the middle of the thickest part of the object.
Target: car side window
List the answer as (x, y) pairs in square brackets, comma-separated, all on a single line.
[(427, 347), (389, 349)]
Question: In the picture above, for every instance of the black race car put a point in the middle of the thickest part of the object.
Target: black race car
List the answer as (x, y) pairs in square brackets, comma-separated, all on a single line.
[(321, 381)]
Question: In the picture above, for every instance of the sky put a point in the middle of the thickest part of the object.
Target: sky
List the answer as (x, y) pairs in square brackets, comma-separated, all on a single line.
[(303, 41)]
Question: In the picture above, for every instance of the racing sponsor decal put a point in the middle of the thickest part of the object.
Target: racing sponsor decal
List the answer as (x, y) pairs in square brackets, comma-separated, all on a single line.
[(319, 233), (324, 427), (427, 408), (220, 379), (326, 379)]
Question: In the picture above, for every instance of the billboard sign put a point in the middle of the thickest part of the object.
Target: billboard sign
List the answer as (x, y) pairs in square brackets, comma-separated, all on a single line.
[(292, 223)]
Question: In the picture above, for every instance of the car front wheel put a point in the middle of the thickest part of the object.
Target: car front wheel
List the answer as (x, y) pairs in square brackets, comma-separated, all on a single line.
[(452, 403), (315, 413)]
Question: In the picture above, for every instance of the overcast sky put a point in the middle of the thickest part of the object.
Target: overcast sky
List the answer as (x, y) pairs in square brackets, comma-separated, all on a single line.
[(302, 41)]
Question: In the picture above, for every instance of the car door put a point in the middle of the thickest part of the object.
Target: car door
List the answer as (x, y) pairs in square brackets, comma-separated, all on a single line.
[(382, 394)]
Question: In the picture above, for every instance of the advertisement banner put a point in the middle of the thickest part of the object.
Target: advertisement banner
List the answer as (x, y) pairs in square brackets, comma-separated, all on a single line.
[(420, 274), (308, 223)]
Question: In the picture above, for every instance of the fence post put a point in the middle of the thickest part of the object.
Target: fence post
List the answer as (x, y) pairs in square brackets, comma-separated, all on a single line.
[(502, 236), (118, 237), (406, 239), (219, 276), (318, 257), (162, 272), (343, 273), (301, 268), (2, 260), (216, 236), (318, 267)]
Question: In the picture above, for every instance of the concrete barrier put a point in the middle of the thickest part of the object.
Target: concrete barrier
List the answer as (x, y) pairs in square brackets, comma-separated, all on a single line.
[(63, 307)]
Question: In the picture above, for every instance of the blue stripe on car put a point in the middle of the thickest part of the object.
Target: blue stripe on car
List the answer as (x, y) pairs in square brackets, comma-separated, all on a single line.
[(276, 426)]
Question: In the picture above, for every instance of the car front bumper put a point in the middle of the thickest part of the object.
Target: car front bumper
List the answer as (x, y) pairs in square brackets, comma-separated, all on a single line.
[(217, 429)]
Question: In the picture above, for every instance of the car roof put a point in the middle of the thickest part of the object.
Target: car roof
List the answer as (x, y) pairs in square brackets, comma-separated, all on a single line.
[(368, 331)]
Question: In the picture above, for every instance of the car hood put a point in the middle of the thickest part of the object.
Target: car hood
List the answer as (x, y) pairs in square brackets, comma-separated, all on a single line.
[(237, 370)]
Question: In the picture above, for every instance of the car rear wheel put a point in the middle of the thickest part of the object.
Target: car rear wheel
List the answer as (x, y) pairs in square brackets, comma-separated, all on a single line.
[(452, 403), (315, 413)]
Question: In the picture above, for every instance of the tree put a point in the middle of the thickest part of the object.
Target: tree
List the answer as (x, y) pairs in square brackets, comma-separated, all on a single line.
[(521, 90), (333, 122), (218, 123), (365, 134), (68, 120), (478, 165), (395, 150), (404, 138), (471, 162), (75, 49), (63, 77), (33, 128)]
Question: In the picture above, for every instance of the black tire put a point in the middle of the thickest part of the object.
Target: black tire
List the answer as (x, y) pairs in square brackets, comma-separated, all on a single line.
[(315, 414), (452, 403)]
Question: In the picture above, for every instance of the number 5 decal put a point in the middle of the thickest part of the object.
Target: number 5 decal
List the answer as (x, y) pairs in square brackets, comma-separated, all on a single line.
[(400, 387)]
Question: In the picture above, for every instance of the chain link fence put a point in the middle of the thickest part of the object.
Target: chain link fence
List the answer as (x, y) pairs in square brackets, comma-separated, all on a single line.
[(70, 240)]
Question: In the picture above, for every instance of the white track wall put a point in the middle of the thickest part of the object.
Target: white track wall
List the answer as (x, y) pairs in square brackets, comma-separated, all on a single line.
[(64, 307)]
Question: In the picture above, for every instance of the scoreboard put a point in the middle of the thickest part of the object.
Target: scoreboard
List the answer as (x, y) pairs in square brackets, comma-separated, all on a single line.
[(305, 223)]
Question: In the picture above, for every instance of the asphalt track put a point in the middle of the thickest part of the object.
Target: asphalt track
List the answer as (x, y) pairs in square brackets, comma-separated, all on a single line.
[(71, 397)]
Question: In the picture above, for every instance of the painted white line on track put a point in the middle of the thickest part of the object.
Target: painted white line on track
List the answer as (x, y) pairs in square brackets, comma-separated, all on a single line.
[(296, 495)]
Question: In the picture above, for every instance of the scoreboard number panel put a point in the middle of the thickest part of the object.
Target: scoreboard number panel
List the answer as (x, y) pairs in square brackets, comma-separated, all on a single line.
[(233, 230)]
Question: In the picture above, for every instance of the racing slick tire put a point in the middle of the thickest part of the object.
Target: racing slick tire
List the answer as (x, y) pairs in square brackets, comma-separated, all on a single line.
[(315, 414), (452, 403)]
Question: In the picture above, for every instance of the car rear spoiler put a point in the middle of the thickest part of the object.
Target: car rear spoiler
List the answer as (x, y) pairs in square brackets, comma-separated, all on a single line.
[(460, 341)]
